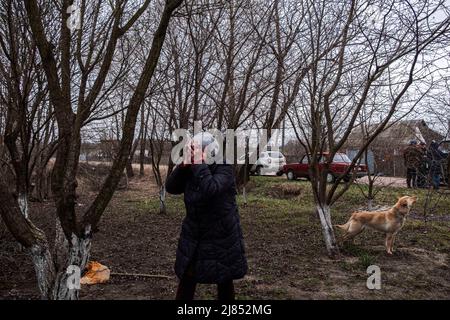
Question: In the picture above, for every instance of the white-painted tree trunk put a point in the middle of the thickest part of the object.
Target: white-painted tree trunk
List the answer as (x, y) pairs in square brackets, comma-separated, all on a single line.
[(370, 204), (52, 270), (324, 213), (162, 199), (44, 268), (22, 199), (61, 246), (126, 178), (78, 255)]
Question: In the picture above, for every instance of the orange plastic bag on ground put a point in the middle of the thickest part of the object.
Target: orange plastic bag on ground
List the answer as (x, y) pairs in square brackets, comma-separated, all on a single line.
[(96, 273)]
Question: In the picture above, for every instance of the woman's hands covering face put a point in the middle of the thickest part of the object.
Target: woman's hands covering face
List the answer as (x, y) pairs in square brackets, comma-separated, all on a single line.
[(197, 153), (193, 154)]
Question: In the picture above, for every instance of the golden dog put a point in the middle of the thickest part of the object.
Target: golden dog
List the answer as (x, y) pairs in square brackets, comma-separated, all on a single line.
[(387, 221)]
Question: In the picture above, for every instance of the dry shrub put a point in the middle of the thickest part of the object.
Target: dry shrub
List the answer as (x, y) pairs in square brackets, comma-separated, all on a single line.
[(285, 190)]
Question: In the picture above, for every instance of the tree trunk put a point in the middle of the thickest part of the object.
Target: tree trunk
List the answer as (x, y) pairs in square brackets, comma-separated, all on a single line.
[(127, 180), (44, 268), (42, 178), (448, 172), (143, 140), (162, 199), (52, 271), (39, 181), (324, 212), (129, 165), (370, 204), (370, 191), (129, 168), (22, 199), (76, 255), (43, 183), (142, 159), (61, 245)]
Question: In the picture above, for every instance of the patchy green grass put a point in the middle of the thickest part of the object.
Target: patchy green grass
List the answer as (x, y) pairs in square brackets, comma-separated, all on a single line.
[(440, 202), (151, 205)]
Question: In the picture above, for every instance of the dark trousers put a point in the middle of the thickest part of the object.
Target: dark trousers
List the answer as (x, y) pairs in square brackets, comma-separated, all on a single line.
[(435, 180), (187, 286), (411, 177)]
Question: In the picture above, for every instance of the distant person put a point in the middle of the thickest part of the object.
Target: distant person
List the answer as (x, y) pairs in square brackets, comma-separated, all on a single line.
[(435, 156), (210, 248), (412, 159), (422, 171)]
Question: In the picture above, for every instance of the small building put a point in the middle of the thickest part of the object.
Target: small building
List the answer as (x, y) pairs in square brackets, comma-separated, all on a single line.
[(385, 154)]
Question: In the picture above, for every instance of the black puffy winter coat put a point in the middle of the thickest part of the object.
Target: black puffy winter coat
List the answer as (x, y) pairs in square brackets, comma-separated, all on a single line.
[(211, 243)]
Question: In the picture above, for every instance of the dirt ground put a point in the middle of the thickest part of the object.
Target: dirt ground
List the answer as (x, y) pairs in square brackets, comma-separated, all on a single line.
[(284, 247), (385, 181)]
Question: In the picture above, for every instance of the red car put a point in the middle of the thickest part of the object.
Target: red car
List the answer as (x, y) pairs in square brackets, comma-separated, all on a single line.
[(338, 166)]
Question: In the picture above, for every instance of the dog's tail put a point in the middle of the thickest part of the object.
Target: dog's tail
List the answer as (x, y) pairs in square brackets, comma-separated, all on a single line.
[(344, 226)]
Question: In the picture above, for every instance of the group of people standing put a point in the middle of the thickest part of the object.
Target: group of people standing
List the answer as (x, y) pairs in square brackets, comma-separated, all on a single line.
[(423, 166)]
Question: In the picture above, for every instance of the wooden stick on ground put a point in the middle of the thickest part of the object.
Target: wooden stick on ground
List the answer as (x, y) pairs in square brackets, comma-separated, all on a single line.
[(140, 275)]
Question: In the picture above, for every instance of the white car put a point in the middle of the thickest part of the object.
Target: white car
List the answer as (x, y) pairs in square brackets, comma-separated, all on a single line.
[(269, 162)]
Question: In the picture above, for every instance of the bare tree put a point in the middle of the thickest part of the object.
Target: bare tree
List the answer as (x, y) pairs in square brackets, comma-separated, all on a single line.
[(23, 95), (74, 242)]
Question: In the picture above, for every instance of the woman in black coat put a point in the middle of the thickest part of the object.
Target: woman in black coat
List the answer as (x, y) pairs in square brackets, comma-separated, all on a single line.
[(210, 248)]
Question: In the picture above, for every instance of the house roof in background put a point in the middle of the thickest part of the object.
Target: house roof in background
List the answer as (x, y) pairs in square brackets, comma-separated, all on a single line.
[(398, 134)]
